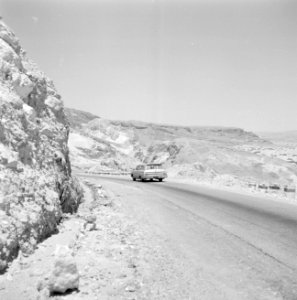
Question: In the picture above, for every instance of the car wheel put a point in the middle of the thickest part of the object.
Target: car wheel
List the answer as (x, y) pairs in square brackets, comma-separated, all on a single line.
[(134, 179), (160, 179)]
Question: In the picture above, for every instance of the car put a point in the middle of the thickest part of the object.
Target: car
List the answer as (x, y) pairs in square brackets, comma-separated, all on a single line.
[(149, 172)]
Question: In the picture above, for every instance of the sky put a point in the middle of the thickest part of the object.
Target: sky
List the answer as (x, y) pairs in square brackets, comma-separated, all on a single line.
[(186, 62)]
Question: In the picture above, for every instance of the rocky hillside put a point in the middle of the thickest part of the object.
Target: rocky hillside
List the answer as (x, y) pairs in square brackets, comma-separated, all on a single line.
[(227, 156), (36, 186), (78, 118)]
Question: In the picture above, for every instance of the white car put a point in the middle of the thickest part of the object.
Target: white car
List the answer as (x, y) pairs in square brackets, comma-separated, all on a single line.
[(149, 172)]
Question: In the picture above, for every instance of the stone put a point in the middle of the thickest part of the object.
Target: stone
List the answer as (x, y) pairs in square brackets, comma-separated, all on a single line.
[(90, 227), (64, 275), (59, 158), (13, 165), (22, 85), (9, 277), (90, 222), (131, 288), (90, 218), (30, 112), (54, 103)]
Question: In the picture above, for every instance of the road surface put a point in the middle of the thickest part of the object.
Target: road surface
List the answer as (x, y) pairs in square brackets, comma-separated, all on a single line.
[(227, 245)]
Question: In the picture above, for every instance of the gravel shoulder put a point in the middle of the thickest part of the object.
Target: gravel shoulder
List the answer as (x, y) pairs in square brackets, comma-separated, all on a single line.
[(123, 258)]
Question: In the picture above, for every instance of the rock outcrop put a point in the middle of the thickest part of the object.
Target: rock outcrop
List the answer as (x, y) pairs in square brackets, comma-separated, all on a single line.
[(36, 186)]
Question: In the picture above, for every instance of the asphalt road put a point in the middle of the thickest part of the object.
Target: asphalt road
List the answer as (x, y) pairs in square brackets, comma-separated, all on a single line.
[(241, 247)]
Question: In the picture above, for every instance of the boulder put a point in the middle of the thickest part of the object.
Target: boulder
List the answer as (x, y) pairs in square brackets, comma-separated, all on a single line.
[(22, 85), (64, 276), (54, 103), (29, 112)]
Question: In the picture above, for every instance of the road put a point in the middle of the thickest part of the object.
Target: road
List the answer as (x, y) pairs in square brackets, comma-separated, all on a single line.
[(227, 245)]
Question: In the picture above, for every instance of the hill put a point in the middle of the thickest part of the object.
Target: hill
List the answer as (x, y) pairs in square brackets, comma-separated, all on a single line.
[(220, 155), (77, 118)]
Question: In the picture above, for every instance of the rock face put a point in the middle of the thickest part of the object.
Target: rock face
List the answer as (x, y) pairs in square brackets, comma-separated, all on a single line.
[(36, 186)]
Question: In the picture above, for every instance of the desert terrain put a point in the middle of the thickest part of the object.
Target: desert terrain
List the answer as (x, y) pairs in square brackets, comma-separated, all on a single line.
[(223, 157), (73, 225)]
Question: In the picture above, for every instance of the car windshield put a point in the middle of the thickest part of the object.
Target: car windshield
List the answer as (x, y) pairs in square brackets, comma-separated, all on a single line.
[(151, 167)]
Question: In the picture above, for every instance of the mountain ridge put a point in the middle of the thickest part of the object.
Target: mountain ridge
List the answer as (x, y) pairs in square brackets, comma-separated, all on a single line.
[(70, 112), (225, 155)]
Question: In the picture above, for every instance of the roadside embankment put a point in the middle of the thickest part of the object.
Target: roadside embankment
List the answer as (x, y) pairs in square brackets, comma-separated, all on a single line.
[(36, 183)]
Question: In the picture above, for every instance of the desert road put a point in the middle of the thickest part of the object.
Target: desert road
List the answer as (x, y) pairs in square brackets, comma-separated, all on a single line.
[(230, 246)]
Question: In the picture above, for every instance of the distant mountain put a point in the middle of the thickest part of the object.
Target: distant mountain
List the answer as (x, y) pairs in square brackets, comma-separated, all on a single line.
[(207, 154), (77, 118), (289, 137)]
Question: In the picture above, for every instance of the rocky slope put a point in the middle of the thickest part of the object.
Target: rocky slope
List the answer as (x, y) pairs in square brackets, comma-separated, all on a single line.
[(36, 186), (223, 156)]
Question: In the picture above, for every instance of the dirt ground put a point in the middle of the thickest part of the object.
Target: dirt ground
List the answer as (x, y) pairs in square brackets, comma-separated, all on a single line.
[(122, 259)]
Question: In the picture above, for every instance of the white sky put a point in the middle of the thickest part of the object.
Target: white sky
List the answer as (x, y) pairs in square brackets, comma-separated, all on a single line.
[(203, 62)]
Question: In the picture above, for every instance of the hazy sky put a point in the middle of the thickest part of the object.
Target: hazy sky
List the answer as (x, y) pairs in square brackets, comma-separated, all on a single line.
[(203, 62)]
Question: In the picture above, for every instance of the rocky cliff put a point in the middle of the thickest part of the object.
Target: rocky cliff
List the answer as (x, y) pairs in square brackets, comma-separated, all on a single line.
[(36, 186)]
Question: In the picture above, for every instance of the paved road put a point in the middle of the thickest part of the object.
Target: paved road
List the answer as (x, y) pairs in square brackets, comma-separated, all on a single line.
[(244, 247)]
